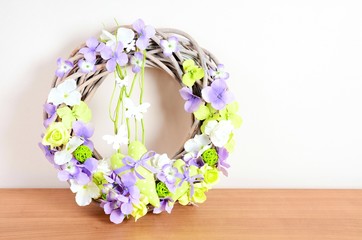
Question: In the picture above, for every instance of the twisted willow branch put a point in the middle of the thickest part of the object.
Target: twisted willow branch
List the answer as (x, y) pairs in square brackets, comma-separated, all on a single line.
[(189, 49)]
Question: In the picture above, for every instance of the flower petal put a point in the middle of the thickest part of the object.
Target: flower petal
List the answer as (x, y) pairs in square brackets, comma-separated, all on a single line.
[(116, 216)]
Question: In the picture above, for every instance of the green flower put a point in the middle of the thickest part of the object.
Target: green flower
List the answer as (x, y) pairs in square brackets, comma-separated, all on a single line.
[(140, 209), (192, 72), (211, 175), (81, 112), (56, 135), (162, 190), (230, 113), (199, 193), (210, 157), (82, 153), (99, 180)]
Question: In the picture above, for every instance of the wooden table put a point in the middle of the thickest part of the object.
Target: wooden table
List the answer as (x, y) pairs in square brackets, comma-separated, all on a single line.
[(227, 214)]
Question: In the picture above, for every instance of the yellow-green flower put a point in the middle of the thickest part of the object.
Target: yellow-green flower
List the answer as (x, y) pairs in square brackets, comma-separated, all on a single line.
[(99, 180), (211, 175), (192, 72), (199, 193), (56, 135), (78, 112), (140, 209)]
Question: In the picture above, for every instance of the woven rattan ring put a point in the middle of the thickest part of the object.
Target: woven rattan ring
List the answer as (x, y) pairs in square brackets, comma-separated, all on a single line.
[(135, 180)]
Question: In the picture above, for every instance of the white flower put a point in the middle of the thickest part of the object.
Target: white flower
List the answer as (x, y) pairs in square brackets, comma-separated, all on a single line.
[(104, 166), (158, 161), (121, 138), (135, 111), (85, 193), (169, 46), (65, 155), (219, 132), (65, 93), (86, 66), (196, 146), (124, 35), (122, 82)]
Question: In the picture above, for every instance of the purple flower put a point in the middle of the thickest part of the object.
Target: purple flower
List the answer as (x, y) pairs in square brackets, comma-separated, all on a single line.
[(74, 170), (64, 67), (219, 73), (114, 57), (222, 164), (169, 46), (84, 131), (193, 102), (91, 49), (165, 205), (168, 175), (144, 33), (217, 94), (120, 199), (137, 62), (86, 66), (49, 154), (51, 110)]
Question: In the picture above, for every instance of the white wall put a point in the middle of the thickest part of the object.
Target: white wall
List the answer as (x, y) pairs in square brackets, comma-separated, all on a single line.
[(296, 68)]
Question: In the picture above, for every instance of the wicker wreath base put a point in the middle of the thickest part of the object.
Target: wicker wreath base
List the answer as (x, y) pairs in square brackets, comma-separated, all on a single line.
[(142, 180)]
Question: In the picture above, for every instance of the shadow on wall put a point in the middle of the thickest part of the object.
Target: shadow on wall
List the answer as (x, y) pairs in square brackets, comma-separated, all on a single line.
[(166, 124)]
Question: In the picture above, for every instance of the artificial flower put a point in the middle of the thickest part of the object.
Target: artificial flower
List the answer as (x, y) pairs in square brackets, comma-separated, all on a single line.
[(79, 112), (169, 46), (160, 160), (66, 92), (51, 111), (72, 170), (222, 165), (192, 72), (165, 205), (211, 175), (196, 146), (137, 62), (65, 155), (217, 94), (104, 166), (114, 57), (85, 193), (91, 49), (124, 35), (168, 175), (86, 66), (84, 131), (121, 138), (193, 102), (230, 113), (140, 209), (219, 131), (135, 111), (219, 73), (145, 32), (56, 135), (64, 67), (162, 190)]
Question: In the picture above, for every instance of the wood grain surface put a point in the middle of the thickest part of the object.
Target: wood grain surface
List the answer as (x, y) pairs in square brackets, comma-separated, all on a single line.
[(227, 214)]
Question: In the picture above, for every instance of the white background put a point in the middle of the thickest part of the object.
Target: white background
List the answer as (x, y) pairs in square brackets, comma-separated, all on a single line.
[(295, 67)]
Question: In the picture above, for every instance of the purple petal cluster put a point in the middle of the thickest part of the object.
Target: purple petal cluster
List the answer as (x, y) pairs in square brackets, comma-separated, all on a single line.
[(166, 204), (137, 62), (145, 32), (193, 102), (81, 173), (84, 131), (222, 165), (168, 175), (217, 94), (91, 49), (113, 57), (120, 197), (63, 67), (51, 110)]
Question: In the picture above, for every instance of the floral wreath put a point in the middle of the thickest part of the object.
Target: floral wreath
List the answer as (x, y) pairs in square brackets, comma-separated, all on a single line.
[(140, 181)]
